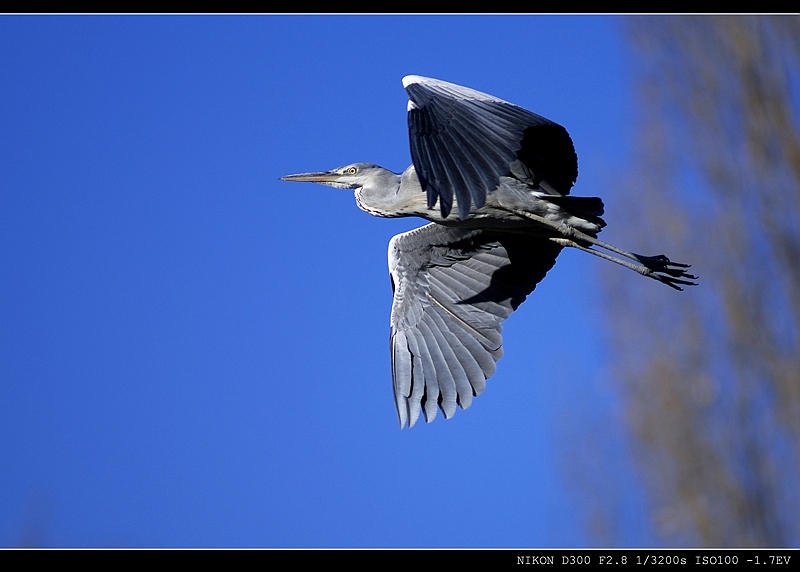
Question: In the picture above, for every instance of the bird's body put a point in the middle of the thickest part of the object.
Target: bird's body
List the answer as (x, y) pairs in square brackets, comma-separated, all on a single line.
[(507, 173), (501, 207)]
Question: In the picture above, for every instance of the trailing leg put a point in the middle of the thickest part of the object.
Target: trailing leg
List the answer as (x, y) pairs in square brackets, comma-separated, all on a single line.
[(660, 268)]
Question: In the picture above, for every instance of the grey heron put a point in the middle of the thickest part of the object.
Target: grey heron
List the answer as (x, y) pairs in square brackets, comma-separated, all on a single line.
[(508, 173)]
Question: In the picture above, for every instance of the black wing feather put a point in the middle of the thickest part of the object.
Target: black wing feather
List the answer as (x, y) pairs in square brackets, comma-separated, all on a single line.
[(462, 141)]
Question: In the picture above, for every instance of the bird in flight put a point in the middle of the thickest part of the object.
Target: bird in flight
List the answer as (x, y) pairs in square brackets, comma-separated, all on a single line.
[(501, 176)]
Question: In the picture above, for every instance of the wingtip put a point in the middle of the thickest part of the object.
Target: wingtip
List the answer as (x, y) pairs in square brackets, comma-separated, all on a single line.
[(401, 406), (463, 210)]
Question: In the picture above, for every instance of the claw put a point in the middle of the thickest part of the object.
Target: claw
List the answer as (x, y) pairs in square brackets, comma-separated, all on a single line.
[(664, 265), (675, 277)]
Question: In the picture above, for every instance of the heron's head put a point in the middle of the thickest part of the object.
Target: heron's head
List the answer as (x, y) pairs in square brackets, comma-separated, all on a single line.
[(376, 188), (350, 176)]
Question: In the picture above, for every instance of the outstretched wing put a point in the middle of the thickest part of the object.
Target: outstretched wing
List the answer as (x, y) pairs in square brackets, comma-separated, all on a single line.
[(463, 141), (452, 289)]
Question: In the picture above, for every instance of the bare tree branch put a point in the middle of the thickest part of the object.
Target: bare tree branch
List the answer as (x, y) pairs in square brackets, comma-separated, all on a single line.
[(713, 383)]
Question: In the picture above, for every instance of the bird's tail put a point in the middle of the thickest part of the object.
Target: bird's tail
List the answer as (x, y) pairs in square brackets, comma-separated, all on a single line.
[(585, 213)]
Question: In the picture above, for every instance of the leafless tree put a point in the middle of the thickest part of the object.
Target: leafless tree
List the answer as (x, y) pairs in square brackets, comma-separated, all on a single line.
[(711, 377)]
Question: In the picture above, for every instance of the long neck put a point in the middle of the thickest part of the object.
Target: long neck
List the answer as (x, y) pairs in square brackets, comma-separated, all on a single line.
[(394, 196), (379, 197)]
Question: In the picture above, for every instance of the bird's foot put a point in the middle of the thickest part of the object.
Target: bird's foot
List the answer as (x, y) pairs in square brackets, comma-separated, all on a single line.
[(666, 271)]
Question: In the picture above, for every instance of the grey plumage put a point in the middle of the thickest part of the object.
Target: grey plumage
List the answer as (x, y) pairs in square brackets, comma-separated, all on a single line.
[(508, 173), (453, 287)]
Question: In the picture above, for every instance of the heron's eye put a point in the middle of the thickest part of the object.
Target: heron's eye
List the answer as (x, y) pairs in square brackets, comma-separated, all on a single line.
[(351, 171)]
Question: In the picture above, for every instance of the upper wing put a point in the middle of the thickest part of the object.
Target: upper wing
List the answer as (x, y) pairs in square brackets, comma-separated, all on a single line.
[(452, 289), (463, 141)]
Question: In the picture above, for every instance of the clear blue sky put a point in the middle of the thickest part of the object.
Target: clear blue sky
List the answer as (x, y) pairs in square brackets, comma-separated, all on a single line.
[(194, 353)]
